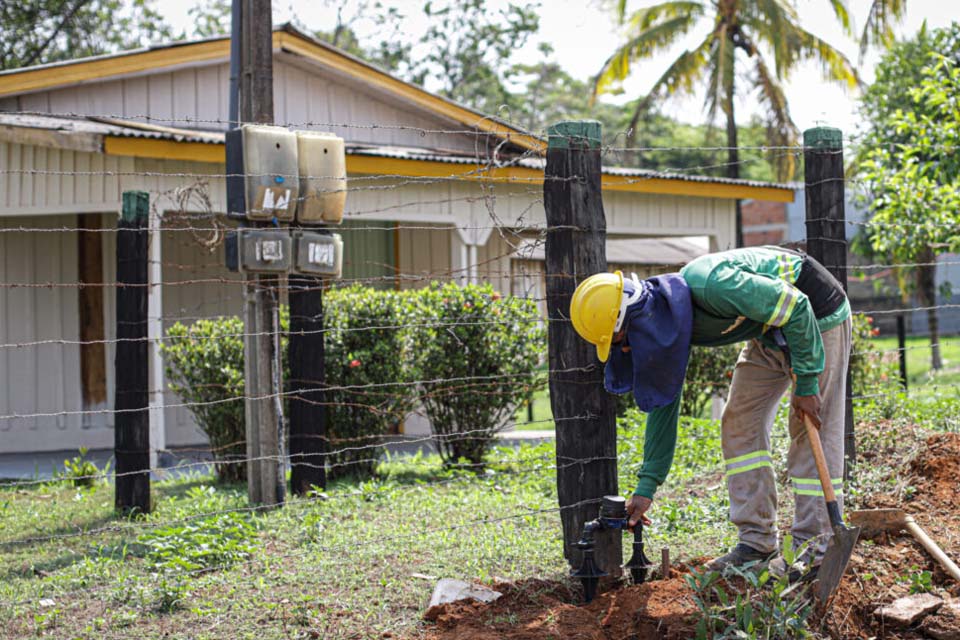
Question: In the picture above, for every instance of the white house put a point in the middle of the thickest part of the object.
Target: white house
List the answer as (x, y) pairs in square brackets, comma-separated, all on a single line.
[(436, 189)]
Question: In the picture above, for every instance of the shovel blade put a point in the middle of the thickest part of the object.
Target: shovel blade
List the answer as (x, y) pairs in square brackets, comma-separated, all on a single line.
[(835, 561)]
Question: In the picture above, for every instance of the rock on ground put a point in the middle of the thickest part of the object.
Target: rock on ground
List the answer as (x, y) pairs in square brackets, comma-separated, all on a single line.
[(903, 612)]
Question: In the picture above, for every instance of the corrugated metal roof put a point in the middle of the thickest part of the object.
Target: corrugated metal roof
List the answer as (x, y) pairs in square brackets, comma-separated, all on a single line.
[(109, 127), (539, 163), (133, 129)]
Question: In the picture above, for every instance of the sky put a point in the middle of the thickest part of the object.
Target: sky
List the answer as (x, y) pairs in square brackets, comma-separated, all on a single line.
[(583, 34)]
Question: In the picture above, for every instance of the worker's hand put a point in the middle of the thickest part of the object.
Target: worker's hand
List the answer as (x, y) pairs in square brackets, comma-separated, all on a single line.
[(636, 510), (809, 406)]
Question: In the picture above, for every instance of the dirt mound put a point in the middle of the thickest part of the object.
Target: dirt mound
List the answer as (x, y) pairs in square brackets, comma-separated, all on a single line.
[(938, 471), (880, 571), (538, 610), (886, 568)]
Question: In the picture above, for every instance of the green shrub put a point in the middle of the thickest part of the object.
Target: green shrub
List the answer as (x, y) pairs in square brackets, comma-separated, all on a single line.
[(370, 361), (760, 607), (204, 364), (373, 353), (480, 360)]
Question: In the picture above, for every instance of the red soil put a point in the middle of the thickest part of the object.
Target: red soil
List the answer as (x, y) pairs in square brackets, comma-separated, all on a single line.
[(540, 610), (878, 573)]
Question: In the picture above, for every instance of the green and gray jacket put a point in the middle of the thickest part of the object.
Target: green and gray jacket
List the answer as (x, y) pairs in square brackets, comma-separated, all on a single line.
[(740, 295)]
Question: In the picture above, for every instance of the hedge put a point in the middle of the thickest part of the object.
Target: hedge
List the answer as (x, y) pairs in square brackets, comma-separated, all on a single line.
[(466, 353)]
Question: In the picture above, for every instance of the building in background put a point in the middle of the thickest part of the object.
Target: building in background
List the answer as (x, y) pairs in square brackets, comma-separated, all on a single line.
[(437, 191)]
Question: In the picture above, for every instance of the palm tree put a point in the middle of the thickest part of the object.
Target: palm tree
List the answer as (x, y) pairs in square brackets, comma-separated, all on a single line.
[(878, 29), (734, 26)]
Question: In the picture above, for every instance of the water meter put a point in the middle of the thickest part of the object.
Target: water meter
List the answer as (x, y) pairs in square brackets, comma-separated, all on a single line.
[(262, 173), (323, 177)]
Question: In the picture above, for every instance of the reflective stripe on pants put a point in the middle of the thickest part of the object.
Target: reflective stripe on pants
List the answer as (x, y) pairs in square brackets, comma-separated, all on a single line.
[(760, 379)]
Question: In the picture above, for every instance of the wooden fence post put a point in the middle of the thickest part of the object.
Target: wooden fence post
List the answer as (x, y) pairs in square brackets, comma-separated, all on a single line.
[(132, 415), (583, 410), (308, 413), (826, 233)]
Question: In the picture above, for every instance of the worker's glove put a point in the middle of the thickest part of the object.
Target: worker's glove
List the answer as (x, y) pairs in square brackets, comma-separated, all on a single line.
[(636, 509), (809, 406)]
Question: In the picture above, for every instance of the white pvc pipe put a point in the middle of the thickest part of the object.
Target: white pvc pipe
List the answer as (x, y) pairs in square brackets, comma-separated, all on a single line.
[(157, 378)]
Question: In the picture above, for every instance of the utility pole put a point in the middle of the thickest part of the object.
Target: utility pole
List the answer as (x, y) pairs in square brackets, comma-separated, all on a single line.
[(584, 411), (826, 234), (266, 481)]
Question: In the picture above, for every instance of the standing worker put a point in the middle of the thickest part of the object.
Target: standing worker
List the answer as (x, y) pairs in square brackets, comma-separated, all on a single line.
[(796, 318)]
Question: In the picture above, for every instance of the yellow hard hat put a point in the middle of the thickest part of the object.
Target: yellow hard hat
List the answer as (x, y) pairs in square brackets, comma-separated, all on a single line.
[(594, 309)]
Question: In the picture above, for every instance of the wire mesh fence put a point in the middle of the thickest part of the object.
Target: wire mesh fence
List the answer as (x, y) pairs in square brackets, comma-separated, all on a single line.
[(397, 236)]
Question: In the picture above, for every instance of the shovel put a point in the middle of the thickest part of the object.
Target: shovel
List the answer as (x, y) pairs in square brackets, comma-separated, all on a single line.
[(874, 521), (840, 549)]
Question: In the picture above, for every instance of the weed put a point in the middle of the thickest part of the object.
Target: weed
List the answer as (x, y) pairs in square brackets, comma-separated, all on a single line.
[(206, 543), (920, 581), (761, 606), (80, 470)]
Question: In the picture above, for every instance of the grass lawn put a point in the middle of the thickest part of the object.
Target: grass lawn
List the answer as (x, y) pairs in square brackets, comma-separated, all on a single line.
[(541, 416), (918, 359), (358, 561)]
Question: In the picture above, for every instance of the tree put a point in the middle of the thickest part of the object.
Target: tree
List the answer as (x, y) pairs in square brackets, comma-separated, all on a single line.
[(878, 27), (543, 93), (736, 32), (468, 46), (211, 18), (909, 166), (40, 31)]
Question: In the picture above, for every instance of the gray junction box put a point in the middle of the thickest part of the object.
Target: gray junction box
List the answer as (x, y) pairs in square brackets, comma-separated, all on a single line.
[(319, 254), (259, 250)]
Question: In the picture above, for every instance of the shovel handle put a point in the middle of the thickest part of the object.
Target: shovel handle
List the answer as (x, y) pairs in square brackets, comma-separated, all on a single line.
[(813, 435)]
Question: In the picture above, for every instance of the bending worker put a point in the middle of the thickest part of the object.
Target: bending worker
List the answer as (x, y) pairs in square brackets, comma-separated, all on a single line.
[(796, 319)]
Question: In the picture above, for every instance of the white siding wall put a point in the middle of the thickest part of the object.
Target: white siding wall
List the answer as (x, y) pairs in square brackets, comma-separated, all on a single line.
[(47, 379), (41, 180), (42, 378), (198, 97)]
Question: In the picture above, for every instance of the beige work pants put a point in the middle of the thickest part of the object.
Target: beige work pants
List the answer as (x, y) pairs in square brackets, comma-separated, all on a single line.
[(760, 379)]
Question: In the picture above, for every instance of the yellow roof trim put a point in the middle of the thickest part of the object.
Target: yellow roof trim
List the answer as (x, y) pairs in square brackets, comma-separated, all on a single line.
[(164, 149), (376, 165), (294, 44), (696, 188), (117, 65)]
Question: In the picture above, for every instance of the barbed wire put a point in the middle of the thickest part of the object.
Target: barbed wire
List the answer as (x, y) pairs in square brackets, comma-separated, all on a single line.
[(505, 467), (284, 458), (283, 394), (422, 131)]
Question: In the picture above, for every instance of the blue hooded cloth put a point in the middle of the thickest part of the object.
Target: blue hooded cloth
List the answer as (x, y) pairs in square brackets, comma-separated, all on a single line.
[(658, 328)]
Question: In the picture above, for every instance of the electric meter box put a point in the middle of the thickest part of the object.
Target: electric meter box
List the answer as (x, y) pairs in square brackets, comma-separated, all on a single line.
[(262, 173), (318, 254), (259, 250), (323, 177)]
